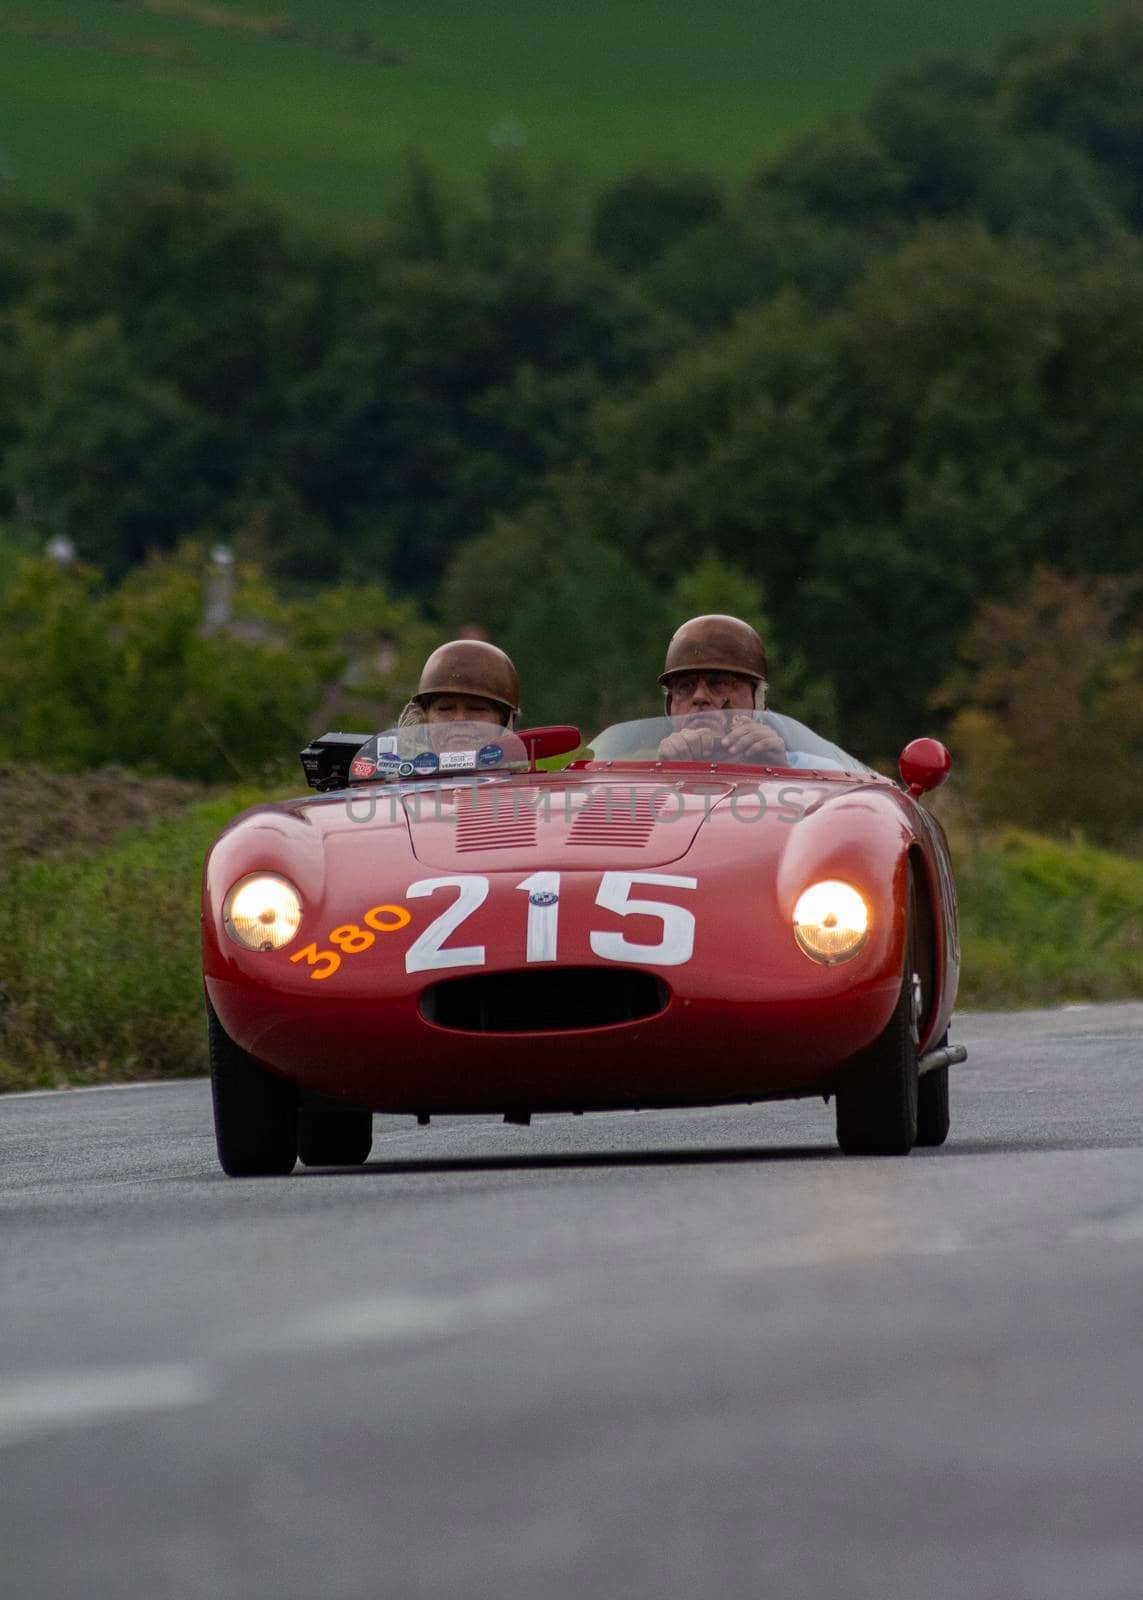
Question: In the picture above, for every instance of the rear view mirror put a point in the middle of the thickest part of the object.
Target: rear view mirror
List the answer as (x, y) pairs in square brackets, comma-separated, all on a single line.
[(924, 764)]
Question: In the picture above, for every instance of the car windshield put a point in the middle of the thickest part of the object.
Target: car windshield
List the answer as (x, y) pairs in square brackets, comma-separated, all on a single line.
[(738, 738), (436, 750)]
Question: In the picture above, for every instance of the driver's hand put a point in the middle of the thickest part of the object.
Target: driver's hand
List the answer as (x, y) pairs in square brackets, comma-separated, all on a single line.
[(690, 744), (755, 742)]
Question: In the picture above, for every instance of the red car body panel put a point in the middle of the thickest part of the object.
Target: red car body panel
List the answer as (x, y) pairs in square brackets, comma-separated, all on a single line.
[(745, 1014)]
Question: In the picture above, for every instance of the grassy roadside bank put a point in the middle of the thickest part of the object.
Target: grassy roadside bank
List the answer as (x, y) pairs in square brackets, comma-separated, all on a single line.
[(1044, 922), (99, 977)]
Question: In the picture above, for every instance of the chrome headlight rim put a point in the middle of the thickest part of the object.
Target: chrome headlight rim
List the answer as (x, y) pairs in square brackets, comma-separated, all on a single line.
[(810, 923), (292, 917)]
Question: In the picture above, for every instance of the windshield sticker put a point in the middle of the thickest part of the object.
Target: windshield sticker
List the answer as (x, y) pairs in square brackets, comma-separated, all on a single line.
[(362, 767), (387, 744), (458, 760), (490, 755), (405, 770), (425, 762)]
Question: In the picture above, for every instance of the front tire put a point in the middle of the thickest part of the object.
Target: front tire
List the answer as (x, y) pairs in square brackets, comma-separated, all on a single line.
[(877, 1101), (933, 1106), (255, 1111)]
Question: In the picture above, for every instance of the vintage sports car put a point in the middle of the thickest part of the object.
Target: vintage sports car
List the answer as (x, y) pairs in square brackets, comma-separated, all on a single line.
[(446, 928)]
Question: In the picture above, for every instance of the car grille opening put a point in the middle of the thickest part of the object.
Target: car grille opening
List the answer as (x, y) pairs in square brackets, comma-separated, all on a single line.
[(557, 1001)]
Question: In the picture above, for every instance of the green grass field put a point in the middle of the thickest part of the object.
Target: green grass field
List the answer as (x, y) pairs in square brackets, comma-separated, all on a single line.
[(610, 83)]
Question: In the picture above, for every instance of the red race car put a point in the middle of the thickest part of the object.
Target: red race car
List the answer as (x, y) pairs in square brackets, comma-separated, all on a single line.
[(446, 928)]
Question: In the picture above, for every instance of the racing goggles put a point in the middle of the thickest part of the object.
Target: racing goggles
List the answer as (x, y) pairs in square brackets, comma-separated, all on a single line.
[(720, 684)]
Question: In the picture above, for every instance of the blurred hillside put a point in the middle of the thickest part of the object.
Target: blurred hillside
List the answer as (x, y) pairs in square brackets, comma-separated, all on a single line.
[(318, 99), (881, 397)]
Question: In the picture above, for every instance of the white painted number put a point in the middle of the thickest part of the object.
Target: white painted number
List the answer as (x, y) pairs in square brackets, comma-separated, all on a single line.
[(678, 941), (543, 891), (425, 953)]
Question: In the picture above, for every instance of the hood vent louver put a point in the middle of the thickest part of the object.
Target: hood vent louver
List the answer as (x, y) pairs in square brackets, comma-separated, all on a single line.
[(488, 820), (618, 816), (578, 822)]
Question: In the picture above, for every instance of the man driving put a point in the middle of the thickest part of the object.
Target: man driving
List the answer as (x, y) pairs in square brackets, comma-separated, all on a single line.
[(714, 679)]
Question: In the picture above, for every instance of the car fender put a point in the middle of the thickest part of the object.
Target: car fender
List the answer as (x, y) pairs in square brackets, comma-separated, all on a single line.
[(862, 838)]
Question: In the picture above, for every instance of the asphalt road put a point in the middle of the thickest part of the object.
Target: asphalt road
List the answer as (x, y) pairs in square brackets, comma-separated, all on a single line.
[(668, 1354)]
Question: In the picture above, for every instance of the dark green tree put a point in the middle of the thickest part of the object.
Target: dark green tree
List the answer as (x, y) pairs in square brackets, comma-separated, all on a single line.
[(1045, 189), (742, 444), (584, 627), (31, 239), (1095, 396), (841, 173), (204, 277), (115, 460), (1085, 86), (421, 219), (26, 349), (639, 217), (520, 214), (453, 396), (936, 125), (767, 242)]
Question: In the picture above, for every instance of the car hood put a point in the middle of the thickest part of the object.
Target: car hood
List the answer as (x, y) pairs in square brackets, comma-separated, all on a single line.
[(571, 822)]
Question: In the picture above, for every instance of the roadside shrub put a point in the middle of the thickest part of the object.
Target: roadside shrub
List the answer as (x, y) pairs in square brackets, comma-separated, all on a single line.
[(1045, 922), (1049, 709), (192, 668), (101, 977)]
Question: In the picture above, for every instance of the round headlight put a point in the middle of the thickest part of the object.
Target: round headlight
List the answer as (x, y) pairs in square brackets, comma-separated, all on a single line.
[(831, 921), (262, 912)]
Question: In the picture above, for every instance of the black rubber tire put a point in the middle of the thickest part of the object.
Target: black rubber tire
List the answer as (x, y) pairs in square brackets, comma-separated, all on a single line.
[(255, 1111), (933, 1105), (334, 1136), (877, 1100)]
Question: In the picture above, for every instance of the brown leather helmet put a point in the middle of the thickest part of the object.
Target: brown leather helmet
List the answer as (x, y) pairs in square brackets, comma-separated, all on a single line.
[(715, 644), (471, 666)]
